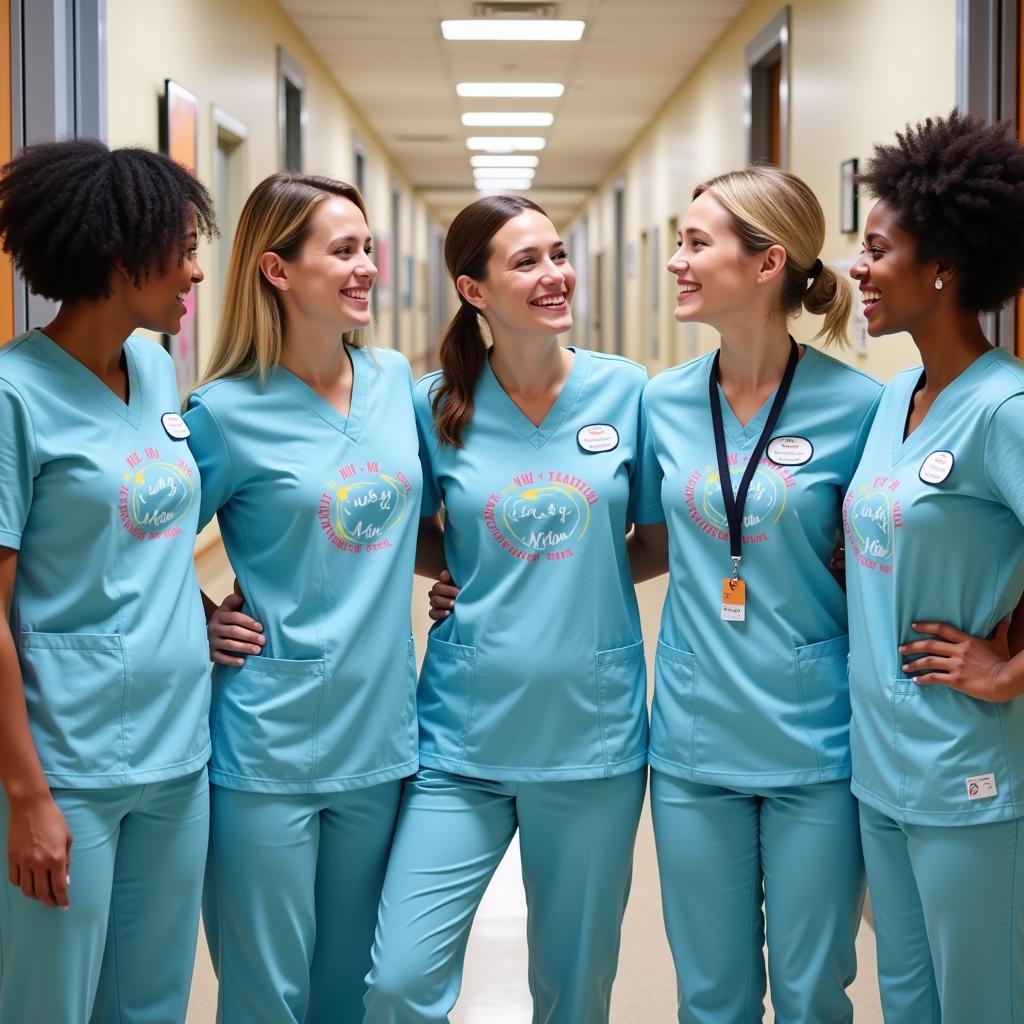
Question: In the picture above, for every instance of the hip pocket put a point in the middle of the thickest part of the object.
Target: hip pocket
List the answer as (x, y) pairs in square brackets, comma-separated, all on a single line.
[(621, 674), (446, 697), (823, 686), (674, 714), (266, 714), (75, 691)]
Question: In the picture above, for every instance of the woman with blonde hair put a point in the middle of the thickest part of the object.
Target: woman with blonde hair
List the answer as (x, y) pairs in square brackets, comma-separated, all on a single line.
[(746, 454), (306, 444)]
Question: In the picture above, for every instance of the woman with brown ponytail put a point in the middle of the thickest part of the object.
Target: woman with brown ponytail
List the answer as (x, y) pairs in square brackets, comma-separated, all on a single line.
[(747, 454), (532, 696)]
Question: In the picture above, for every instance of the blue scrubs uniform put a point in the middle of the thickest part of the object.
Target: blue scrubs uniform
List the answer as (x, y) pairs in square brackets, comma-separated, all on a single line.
[(934, 532), (749, 729), (100, 499), (531, 700), (311, 738)]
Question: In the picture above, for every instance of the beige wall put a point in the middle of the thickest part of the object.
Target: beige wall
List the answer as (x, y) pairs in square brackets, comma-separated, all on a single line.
[(226, 53), (858, 72)]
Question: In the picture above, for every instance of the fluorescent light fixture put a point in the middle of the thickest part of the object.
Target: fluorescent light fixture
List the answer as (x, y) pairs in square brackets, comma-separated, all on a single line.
[(506, 29), (505, 143), (512, 119), (503, 184), (516, 90), (503, 172), (504, 161)]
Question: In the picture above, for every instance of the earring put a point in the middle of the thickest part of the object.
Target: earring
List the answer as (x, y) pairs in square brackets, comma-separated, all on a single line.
[(938, 284)]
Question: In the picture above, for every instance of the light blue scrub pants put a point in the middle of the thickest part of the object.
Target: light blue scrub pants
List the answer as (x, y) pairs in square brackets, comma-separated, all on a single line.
[(576, 843), (721, 853), (125, 950), (292, 888), (948, 909)]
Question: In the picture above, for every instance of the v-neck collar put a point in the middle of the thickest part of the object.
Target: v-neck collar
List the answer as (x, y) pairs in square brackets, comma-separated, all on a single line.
[(130, 411), (491, 391), (352, 425), (742, 435), (902, 447)]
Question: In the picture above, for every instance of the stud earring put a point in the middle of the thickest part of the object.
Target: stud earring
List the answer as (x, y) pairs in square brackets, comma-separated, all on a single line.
[(938, 284)]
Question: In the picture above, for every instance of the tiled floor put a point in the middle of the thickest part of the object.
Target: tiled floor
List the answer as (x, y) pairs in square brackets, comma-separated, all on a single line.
[(495, 989)]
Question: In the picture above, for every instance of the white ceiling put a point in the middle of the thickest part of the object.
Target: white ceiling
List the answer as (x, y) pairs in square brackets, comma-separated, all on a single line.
[(390, 58)]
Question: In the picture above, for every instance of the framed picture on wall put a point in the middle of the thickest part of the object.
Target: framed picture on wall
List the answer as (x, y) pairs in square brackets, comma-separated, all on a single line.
[(848, 196), (179, 119)]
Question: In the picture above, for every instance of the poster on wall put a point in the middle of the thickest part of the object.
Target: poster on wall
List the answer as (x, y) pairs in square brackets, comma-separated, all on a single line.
[(179, 118)]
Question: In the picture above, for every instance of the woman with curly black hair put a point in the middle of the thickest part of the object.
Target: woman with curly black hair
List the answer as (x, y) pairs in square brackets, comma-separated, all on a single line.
[(935, 550), (104, 674)]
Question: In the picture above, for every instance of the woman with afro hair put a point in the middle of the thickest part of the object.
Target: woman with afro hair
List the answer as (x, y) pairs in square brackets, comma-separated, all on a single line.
[(934, 523), (104, 671)]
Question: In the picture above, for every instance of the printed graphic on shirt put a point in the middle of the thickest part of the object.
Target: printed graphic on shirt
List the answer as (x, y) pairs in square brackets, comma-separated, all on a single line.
[(362, 506), (766, 498), (871, 516), (155, 494), (540, 515)]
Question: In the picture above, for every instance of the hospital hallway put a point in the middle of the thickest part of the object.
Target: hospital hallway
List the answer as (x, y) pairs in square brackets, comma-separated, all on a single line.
[(495, 989)]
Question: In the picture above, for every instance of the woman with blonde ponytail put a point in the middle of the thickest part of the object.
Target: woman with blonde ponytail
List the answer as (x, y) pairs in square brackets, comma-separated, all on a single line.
[(746, 454), (306, 445), (532, 696)]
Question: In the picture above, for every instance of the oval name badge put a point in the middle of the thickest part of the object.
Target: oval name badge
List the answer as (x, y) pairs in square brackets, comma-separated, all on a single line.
[(936, 467), (790, 451), (176, 427), (597, 437)]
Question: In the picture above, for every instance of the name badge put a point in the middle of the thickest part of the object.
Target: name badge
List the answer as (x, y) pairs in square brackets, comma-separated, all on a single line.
[(176, 427), (734, 600), (790, 451), (598, 437), (936, 467)]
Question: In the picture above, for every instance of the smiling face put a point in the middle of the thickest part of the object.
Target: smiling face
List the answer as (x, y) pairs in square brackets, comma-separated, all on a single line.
[(329, 281), (529, 281), (897, 289), (158, 303), (716, 278)]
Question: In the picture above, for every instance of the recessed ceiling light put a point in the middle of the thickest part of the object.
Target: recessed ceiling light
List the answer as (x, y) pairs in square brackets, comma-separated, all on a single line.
[(506, 29), (510, 119), (514, 89), (503, 184), (504, 161), (503, 172), (505, 143)]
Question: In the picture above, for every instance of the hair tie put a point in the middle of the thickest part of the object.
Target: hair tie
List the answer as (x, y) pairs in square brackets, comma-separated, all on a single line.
[(816, 270)]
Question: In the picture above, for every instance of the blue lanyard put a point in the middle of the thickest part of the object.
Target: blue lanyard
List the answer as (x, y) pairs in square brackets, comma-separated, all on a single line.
[(734, 502)]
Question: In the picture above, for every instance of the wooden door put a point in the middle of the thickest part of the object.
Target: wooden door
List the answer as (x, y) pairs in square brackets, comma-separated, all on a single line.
[(6, 270)]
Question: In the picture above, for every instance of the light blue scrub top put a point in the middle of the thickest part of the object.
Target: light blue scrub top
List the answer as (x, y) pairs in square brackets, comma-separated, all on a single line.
[(539, 671), (101, 503), (763, 702), (318, 513), (948, 547)]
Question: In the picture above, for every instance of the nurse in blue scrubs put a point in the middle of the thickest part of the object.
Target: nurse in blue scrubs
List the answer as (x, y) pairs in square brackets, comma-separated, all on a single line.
[(747, 452), (104, 673), (935, 561), (306, 442), (532, 708)]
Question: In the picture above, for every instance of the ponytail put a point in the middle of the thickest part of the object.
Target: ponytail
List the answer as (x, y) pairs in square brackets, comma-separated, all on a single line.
[(829, 296), (463, 352)]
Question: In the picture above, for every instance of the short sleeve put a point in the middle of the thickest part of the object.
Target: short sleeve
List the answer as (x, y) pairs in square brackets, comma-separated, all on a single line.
[(645, 495), (862, 438), (19, 465), (209, 449), (1004, 454), (431, 499)]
